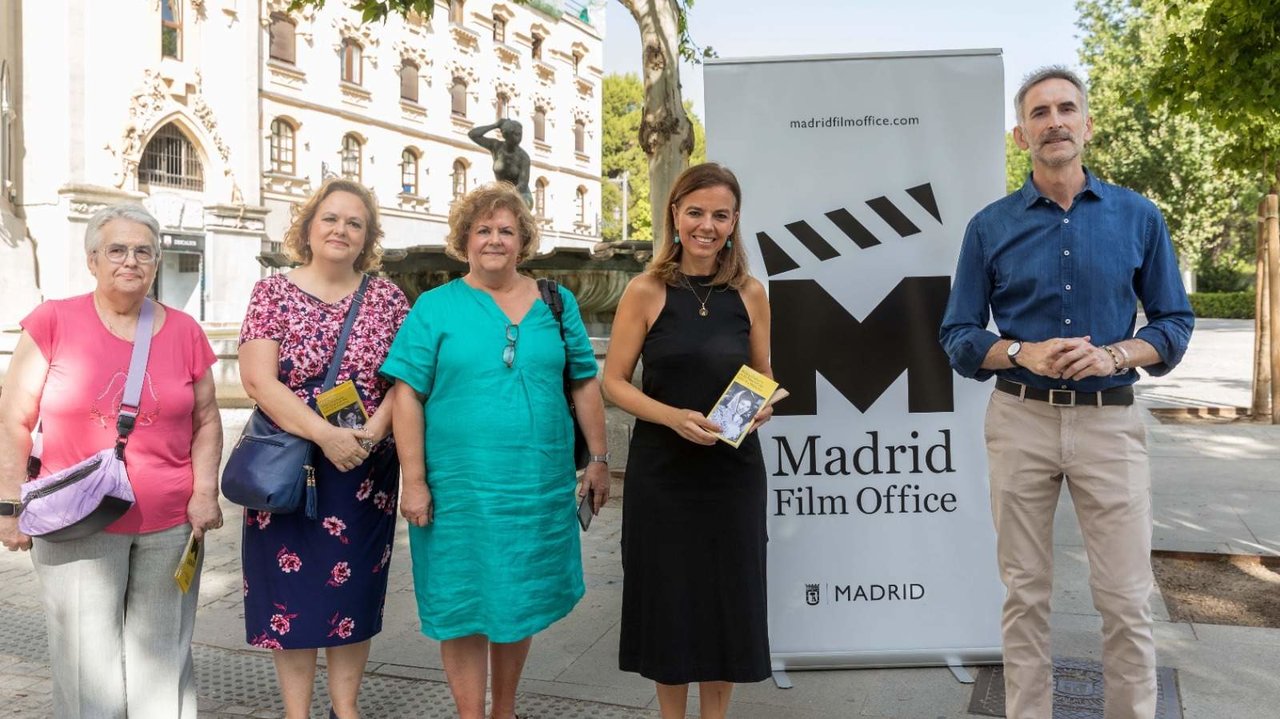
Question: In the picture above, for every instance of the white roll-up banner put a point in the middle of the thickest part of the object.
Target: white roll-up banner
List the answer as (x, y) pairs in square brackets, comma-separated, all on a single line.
[(859, 174)]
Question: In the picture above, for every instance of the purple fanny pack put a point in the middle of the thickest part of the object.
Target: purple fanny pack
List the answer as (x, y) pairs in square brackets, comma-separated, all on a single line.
[(86, 497), (77, 501)]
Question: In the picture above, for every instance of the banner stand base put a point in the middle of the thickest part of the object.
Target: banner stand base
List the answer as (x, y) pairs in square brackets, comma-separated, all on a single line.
[(782, 681), (958, 671)]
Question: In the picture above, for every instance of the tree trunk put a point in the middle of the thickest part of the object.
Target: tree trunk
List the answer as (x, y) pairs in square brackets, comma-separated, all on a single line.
[(1261, 409), (665, 132), (1273, 291)]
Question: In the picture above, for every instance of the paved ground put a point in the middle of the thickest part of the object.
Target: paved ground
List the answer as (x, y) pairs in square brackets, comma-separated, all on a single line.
[(1216, 487)]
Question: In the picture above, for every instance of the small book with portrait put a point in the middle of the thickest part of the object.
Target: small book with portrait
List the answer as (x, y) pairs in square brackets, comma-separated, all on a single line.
[(342, 406), (740, 404)]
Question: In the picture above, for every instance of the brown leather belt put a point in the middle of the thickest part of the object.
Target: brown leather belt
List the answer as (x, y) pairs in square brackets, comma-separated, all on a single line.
[(1117, 397)]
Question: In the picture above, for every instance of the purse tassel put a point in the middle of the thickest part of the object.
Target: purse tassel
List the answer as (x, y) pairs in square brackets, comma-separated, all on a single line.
[(311, 493)]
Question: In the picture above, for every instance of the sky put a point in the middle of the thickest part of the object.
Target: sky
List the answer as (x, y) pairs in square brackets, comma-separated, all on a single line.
[(1031, 34)]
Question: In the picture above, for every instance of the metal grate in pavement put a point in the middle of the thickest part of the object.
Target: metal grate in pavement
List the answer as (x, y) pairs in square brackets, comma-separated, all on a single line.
[(1077, 691), (243, 684)]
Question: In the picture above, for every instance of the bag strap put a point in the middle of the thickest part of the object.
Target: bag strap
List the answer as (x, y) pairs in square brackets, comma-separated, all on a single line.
[(331, 378), (127, 418), (550, 291)]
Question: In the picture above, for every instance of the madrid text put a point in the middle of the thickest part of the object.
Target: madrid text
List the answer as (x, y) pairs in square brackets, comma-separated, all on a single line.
[(814, 459)]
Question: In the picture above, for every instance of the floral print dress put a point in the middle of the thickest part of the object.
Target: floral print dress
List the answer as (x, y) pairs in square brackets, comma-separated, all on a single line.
[(319, 583)]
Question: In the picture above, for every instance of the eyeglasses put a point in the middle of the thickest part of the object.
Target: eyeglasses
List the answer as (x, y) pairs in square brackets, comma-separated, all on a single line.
[(509, 352), (117, 254)]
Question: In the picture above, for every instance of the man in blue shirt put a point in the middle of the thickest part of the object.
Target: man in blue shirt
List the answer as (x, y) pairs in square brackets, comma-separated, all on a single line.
[(1061, 266)]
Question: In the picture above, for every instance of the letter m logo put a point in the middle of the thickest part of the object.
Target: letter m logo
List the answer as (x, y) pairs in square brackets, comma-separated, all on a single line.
[(816, 335)]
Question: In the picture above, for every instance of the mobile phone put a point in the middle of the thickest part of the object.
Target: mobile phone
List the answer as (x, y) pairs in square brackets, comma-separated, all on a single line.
[(584, 509)]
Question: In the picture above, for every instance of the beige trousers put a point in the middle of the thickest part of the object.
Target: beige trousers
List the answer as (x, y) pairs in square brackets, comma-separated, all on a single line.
[(1101, 453)]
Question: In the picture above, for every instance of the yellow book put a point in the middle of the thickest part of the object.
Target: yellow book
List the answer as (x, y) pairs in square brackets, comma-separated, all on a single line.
[(342, 406), (741, 402), (186, 571)]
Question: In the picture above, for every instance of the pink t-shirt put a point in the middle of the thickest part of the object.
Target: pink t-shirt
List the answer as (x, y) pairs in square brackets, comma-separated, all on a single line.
[(81, 399)]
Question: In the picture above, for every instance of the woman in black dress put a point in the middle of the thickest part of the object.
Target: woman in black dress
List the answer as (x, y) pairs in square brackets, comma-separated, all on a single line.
[(693, 527)]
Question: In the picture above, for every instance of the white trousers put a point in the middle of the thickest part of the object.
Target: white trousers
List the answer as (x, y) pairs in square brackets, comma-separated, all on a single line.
[(119, 627)]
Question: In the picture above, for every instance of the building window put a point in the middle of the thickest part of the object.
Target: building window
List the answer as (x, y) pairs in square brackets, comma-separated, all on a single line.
[(500, 104), (283, 43), (6, 133), (539, 124), (409, 172), (352, 65), (499, 29), (455, 11), (536, 47), (580, 205), (458, 93), (170, 160), (409, 80), (352, 159), (188, 262), (577, 63), (459, 178), (579, 136), (540, 197), (171, 29), (282, 146)]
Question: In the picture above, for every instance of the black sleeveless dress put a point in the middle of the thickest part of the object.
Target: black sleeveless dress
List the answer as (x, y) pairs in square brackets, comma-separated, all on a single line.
[(693, 517)]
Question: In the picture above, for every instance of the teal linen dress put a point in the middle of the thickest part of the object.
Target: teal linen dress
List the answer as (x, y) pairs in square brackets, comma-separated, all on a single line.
[(502, 557)]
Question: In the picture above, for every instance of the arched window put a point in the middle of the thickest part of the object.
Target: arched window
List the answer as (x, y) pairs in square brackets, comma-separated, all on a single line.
[(352, 61), (577, 63), (579, 136), (540, 124), (459, 178), (171, 29), (409, 171), (282, 147), (535, 47), (352, 157), (409, 80), (458, 93), (580, 205), (500, 105), (455, 11), (499, 29), (170, 160), (283, 38), (540, 197)]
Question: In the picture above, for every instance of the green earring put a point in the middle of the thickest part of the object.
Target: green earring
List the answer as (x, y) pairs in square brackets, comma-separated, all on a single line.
[(676, 241), (729, 244)]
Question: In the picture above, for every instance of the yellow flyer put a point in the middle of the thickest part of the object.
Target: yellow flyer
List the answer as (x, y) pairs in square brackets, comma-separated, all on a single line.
[(741, 402), (186, 571), (342, 406)]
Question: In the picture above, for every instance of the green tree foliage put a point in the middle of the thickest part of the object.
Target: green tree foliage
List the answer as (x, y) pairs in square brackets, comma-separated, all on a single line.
[(1017, 164), (622, 109), (1169, 157), (1221, 62)]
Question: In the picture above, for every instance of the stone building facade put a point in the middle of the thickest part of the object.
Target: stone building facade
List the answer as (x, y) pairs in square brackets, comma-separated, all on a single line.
[(221, 115)]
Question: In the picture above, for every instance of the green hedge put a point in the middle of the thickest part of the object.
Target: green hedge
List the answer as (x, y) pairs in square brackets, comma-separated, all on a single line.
[(1223, 305)]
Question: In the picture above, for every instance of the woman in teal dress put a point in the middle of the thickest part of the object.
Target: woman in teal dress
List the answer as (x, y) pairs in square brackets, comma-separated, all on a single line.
[(479, 366)]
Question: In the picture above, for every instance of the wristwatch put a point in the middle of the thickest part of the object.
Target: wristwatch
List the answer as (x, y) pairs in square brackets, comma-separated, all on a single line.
[(601, 458), (10, 507), (1012, 352)]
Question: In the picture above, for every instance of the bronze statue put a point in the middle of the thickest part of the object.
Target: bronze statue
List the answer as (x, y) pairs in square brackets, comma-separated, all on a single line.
[(510, 161)]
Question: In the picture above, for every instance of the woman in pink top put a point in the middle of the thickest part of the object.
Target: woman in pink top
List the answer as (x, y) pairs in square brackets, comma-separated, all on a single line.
[(119, 626)]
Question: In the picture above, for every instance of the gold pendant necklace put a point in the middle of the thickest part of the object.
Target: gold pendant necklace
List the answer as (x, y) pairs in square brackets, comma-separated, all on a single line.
[(702, 311)]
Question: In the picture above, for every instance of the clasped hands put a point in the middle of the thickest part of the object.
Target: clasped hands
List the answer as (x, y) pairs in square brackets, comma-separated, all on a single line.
[(695, 427), (1071, 358), (347, 448)]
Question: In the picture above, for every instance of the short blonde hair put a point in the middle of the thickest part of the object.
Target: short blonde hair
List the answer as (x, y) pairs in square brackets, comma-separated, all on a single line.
[(296, 244), (481, 203)]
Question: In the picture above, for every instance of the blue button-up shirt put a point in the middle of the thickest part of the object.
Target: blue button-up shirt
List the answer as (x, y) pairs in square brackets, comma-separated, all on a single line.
[(1042, 272)]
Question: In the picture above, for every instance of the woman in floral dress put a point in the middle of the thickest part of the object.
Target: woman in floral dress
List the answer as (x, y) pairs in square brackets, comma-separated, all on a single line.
[(322, 583)]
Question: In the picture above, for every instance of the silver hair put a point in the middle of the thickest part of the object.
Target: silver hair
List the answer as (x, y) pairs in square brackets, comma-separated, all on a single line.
[(1050, 72), (131, 211)]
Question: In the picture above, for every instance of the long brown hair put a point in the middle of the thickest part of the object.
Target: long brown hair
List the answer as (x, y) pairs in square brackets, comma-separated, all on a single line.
[(296, 240), (731, 262)]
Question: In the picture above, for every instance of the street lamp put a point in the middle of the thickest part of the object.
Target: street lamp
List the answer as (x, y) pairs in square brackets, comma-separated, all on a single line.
[(624, 183)]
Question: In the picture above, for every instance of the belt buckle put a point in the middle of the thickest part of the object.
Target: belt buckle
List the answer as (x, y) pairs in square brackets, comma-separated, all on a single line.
[(1070, 397)]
